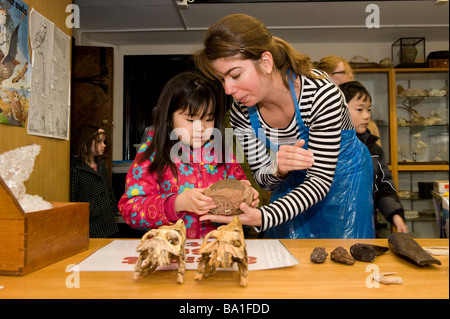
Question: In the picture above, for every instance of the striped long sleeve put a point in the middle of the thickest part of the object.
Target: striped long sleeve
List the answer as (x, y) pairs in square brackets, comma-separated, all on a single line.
[(324, 113)]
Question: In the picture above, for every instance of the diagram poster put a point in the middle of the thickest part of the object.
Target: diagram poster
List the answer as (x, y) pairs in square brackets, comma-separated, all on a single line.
[(49, 111), (15, 70)]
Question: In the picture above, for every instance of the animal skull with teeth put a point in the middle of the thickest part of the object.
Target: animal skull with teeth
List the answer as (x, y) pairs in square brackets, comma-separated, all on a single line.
[(158, 247), (227, 248)]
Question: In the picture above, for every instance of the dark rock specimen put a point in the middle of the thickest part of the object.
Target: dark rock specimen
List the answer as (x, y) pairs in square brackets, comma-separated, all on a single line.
[(366, 252), (341, 255), (318, 255), (403, 244)]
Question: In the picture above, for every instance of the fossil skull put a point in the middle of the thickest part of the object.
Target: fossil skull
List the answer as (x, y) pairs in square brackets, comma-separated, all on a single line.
[(158, 247), (227, 248), (228, 194)]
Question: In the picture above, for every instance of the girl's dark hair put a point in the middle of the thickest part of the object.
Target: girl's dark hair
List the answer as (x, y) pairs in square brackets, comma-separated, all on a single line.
[(353, 89), (85, 135), (186, 92)]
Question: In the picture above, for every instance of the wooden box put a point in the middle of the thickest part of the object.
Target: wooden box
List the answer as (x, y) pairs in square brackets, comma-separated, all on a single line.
[(438, 63), (30, 241)]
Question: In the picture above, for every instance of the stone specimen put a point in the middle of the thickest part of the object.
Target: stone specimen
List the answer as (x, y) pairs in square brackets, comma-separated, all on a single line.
[(227, 248), (16, 167), (318, 255), (158, 247), (435, 92), (341, 255), (228, 194), (412, 92), (419, 120), (408, 53), (404, 245), (366, 252)]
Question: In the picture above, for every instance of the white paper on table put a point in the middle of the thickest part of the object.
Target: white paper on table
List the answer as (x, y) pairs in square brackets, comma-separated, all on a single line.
[(121, 255)]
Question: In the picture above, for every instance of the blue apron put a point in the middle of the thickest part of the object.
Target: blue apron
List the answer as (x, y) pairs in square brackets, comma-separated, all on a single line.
[(347, 210)]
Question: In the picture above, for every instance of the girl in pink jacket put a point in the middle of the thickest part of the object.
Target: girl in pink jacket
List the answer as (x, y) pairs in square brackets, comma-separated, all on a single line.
[(183, 155)]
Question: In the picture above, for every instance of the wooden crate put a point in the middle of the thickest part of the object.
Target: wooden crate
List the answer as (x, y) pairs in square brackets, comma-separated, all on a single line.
[(30, 241), (438, 63)]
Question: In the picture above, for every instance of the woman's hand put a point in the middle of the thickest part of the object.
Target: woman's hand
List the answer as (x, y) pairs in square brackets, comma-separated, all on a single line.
[(255, 202), (250, 217), (193, 200), (294, 157)]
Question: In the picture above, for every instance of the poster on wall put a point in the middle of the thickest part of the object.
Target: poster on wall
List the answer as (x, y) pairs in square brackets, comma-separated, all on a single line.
[(49, 113), (15, 70)]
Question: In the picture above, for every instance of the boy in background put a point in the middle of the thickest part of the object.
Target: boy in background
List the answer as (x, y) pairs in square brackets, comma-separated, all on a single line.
[(386, 199)]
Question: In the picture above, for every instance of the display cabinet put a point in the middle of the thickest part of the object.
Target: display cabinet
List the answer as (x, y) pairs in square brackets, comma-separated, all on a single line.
[(422, 117), (410, 108)]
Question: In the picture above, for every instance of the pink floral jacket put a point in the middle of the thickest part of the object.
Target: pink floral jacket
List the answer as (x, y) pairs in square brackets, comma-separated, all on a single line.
[(148, 204)]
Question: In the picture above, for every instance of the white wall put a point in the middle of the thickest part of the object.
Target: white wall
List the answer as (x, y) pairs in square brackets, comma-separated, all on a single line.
[(372, 51)]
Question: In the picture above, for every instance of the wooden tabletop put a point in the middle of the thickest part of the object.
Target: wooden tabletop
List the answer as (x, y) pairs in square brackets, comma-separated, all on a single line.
[(305, 280)]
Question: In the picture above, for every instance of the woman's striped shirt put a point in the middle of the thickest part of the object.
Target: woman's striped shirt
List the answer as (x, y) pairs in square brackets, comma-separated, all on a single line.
[(324, 112)]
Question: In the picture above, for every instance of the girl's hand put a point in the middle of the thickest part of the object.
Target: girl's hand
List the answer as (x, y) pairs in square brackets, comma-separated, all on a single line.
[(250, 217), (294, 157), (193, 200)]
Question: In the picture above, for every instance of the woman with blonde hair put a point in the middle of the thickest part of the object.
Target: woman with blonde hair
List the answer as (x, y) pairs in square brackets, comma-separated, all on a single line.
[(337, 68), (321, 175), (341, 72)]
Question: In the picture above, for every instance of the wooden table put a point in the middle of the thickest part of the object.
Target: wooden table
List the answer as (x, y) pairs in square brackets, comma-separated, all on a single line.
[(305, 280)]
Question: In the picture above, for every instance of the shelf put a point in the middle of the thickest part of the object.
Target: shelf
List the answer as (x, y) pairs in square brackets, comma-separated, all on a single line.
[(421, 219), (413, 70), (412, 140), (383, 88), (413, 196), (422, 126), (422, 167), (421, 97)]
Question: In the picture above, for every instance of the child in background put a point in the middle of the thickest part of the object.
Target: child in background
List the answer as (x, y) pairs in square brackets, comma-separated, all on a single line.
[(386, 199), (89, 181), (180, 158)]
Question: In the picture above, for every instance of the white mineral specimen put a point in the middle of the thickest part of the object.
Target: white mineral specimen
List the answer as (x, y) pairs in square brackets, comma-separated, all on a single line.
[(16, 167)]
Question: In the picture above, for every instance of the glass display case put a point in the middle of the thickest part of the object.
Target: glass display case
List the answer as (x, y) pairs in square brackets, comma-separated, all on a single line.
[(422, 117), (410, 108), (409, 53), (422, 104), (420, 214)]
